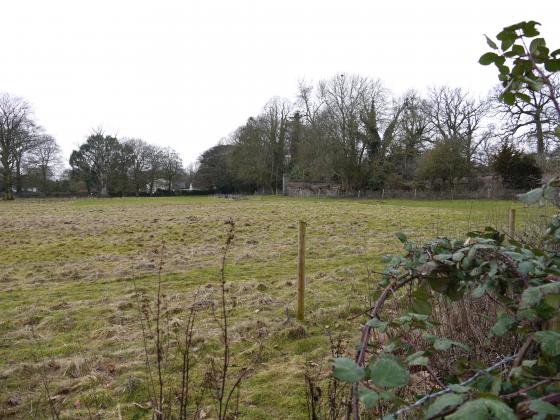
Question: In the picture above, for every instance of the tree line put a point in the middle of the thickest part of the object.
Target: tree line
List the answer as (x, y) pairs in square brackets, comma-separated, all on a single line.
[(30, 160), (349, 130), (352, 131), (113, 166), (27, 152)]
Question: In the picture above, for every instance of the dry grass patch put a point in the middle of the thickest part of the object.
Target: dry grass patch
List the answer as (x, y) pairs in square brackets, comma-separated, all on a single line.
[(67, 277)]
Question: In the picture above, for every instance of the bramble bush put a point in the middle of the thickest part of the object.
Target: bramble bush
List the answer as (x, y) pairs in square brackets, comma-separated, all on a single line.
[(521, 281)]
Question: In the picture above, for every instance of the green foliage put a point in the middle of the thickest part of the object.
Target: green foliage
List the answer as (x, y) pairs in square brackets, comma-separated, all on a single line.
[(443, 404), (346, 370), (516, 169), (214, 172), (550, 342), (445, 162), (388, 372), (526, 283), (524, 61), (368, 397), (483, 408), (543, 407)]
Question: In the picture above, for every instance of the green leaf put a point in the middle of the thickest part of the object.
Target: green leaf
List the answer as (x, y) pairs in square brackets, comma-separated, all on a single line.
[(386, 371), (549, 341), (503, 69), (443, 404), (496, 385), (557, 131), (368, 397), (508, 98), (443, 257), (421, 301), (531, 197), (458, 256), (479, 291), (459, 389), (417, 359), (543, 407), (526, 267), (518, 50), (491, 43), (508, 37), (503, 325), (377, 323), (552, 65), (483, 408), (530, 297), (506, 44), (534, 83), (524, 97), (346, 370), (471, 410), (536, 44), (488, 58), (529, 28), (401, 237), (493, 268), (528, 363), (443, 344)]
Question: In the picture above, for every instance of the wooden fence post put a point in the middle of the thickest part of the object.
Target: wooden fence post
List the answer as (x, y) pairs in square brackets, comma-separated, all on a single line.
[(511, 223), (301, 272)]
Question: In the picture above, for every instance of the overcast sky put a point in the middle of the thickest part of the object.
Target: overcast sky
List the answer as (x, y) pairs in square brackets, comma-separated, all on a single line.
[(187, 73)]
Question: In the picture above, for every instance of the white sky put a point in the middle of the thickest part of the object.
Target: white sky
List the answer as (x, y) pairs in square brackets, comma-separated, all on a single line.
[(187, 73)]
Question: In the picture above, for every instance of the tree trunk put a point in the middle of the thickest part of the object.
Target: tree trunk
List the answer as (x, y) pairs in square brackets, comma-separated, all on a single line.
[(104, 189), (44, 176), (8, 194), (540, 137), (19, 187)]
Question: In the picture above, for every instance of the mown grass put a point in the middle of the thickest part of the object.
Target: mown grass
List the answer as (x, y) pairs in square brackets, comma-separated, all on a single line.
[(67, 290)]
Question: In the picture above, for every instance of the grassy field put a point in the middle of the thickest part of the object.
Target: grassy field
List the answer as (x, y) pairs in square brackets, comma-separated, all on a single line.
[(67, 295)]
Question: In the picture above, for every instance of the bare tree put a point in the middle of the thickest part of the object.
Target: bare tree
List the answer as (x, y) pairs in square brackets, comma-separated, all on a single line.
[(155, 166), (27, 138), (455, 115), (172, 166), (15, 113), (532, 121), (45, 156), (411, 134), (140, 155), (309, 102), (274, 120), (344, 96)]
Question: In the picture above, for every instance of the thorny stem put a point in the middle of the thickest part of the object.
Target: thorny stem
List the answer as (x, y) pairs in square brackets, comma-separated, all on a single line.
[(429, 397), (523, 391), (519, 357), (436, 378), (159, 349), (184, 399), (396, 284), (43, 376), (223, 407), (151, 388), (544, 77)]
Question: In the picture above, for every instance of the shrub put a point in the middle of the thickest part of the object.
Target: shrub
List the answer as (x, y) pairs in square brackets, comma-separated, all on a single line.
[(516, 169)]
